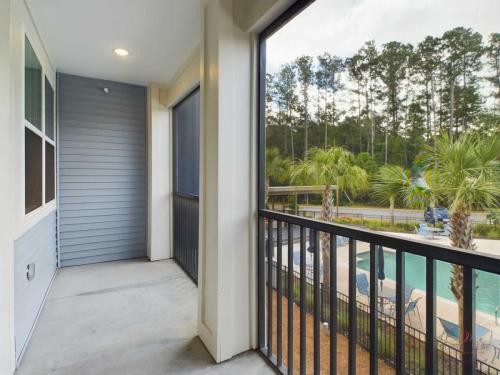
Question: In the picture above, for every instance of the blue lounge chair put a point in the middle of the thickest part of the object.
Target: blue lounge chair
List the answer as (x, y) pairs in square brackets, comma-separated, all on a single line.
[(413, 307), (424, 231), (363, 286), (408, 292), (450, 330)]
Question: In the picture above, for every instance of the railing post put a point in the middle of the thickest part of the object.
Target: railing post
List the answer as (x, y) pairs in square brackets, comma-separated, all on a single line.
[(290, 291), (279, 306), (333, 304), (352, 308), (261, 293), (430, 317), (303, 297), (400, 312), (270, 280), (374, 263), (469, 321), (317, 349)]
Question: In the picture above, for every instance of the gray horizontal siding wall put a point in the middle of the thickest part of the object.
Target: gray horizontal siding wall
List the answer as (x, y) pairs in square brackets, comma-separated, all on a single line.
[(102, 170), (37, 246)]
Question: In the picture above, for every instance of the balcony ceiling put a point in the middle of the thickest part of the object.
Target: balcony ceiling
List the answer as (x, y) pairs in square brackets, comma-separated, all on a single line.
[(80, 36)]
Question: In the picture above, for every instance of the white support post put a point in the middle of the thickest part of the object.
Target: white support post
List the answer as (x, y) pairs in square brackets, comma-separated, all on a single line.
[(227, 185), (7, 351), (159, 187)]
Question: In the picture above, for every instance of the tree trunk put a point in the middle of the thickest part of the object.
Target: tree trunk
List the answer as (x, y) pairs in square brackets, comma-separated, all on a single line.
[(386, 145), (452, 106), (461, 236), (391, 207), (326, 212)]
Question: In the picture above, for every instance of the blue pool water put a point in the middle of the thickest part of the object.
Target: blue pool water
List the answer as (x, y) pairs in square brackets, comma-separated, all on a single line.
[(488, 284)]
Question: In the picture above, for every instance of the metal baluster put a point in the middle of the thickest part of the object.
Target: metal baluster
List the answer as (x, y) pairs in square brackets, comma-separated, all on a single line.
[(302, 300), (373, 310), (430, 317), (469, 318), (400, 312), (290, 299), (352, 308), (333, 304), (261, 294), (279, 309), (317, 349), (270, 288)]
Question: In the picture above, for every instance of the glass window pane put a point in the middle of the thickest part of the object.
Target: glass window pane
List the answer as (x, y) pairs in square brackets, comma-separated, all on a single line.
[(32, 170), (49, 109), (32, 87), (49, 172)]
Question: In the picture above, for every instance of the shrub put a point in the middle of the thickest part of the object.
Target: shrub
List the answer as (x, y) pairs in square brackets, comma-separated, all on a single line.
[(488, 231)]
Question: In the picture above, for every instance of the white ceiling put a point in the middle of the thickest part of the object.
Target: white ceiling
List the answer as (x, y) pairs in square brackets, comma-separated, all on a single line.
[(80, 36)]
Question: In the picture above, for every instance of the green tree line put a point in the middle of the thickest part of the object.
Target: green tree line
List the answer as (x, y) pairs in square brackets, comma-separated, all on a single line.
[(385, 103)]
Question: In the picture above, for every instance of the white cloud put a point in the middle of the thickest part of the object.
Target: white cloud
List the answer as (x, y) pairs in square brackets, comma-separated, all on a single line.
[(342, 26)]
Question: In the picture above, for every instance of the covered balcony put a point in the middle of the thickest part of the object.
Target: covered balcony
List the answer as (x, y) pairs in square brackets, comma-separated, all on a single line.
[(186, 191)]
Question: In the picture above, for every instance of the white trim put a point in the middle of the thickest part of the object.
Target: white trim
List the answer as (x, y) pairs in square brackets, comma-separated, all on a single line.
[(40, 132)]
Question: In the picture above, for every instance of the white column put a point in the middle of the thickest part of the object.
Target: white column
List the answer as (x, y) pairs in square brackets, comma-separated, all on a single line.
[(7, 356), (227, 185), (159, 188)]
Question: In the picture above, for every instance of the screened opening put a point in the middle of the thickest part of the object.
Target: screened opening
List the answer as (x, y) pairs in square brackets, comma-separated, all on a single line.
[(49, 110), (49, 172), (32, 170), (32, 87)]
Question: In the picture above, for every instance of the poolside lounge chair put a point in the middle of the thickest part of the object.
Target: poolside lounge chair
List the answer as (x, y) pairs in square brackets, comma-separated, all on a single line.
[(362, 284), (408, 292), (424, 231), (413, 307), (450, 330)]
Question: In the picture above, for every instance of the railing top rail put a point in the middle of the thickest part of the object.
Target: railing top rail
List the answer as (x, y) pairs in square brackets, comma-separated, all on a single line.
[(474, 259), (186, 195)]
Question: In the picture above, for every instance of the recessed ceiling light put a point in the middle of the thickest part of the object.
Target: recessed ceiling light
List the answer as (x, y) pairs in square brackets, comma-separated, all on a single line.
[(121, 51)]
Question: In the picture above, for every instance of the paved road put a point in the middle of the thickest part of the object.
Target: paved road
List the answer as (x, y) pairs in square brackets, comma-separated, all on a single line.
[(376, 211)]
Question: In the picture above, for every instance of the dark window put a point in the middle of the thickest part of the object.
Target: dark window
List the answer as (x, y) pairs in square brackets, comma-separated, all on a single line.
[(32, 87), (49, 109), (49, 172), (32, 170)]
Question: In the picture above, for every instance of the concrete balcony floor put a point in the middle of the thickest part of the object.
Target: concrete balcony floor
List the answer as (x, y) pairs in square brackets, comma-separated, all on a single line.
[(127, 317)]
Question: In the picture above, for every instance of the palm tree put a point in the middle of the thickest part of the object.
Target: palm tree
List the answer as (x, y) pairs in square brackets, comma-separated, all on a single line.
[(277, 168), (331, 167), (394, 183), (468, 171)]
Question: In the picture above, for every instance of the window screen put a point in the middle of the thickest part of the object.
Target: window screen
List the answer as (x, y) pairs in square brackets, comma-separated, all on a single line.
[(49, 172), (186, 137), (32, 170), (49, 110), (32, 87)]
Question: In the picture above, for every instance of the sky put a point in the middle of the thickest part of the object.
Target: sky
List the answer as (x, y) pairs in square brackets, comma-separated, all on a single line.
[(342, 26)]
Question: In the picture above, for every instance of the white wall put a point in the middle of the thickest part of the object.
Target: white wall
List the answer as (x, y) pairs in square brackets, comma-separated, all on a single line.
[(15, 21), (6, 240)]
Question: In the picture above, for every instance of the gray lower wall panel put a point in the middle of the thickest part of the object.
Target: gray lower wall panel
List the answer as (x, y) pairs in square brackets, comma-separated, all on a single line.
[(102, 170), (37, 246)]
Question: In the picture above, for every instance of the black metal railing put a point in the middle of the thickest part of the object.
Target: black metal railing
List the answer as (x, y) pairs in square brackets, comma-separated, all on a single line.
[(185, 232), (388, 338)]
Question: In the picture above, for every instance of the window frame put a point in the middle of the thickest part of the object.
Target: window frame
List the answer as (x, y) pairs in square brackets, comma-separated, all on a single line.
[(295, 9), (27, 125)]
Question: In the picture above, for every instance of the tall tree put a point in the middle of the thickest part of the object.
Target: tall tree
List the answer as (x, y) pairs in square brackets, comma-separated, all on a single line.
[(493, 53), (391, 66), (305, 77), (462, 48), (285, 86), (328, 79)]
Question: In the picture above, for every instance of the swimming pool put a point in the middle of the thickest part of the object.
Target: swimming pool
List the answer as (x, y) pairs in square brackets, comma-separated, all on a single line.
[(488, 284)]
